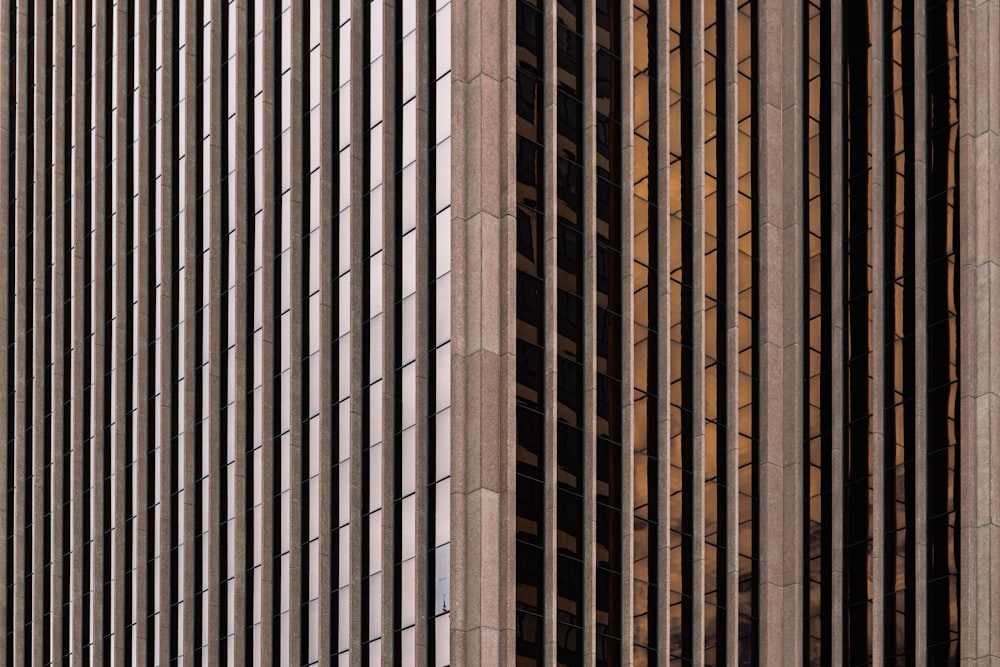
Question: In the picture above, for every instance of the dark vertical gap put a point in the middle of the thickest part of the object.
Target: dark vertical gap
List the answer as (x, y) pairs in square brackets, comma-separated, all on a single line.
[(29, 339), (130, 351), (607, 89), (858, 331), (943, 426), (530, 331), (48, 559), (107, 288), (273, 375)]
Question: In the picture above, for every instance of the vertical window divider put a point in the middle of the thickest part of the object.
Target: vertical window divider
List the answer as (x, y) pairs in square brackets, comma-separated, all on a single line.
[(216, 397), (143, 389), (837, 353), (102, 466), (662, 291), (165, 330), (297, 222), (877, 226), (59, 272), (627, 343), (242, 310), (266, 365), (123, 333), (589, 204), (391, 60), (697, 439), (550, 335), (6, 300), (423, 461), (192, 345), (357, 296), (36, 372), (729, 191), (22, 327), (329, 309), (921, 353)]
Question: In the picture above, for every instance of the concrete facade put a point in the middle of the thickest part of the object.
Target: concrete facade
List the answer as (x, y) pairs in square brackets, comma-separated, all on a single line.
[(262, 309)]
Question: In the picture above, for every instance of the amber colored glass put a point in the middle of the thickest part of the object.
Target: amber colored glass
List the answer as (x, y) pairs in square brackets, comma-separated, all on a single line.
[(681, 360), (645, 229)]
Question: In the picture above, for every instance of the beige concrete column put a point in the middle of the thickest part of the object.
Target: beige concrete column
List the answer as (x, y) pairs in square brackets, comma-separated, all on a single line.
[(837, 336), (877, 351), (211, 545), (920, 317), (662, 291), (425, 272), (123, 307), (328, 447), (296, 399), (144, 314), (978, 474), (780, 163), (59, 369), (550, 522), (38, 386), (241, 219), (22, 324), (6, 431), (627, 345), (482, 395), (189, 248)]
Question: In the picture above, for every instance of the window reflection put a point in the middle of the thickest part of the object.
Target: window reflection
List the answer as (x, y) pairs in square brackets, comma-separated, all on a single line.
[(943, 426), (681, 362), (899, 415), (858, 324), (817, 398), (530, 307)]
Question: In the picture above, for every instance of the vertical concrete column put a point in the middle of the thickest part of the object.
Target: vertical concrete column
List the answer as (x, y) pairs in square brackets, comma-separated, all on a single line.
[(187, 424), (38, 385), (482, 396), (780, 209), (424, 273), (729, 229), (550, 129), (390, 388), (328, 448), (143, 157), (877, 268), (123, 307), (627, 345), (266, 242), (662, 291), (978, 321), (357, 294), (837, 334), (59, 370), (697, 260), (213, 214), (241, 377), (99, 215), (6, 86), (80, 120), (920, 316), (22, 190), (296, 400)]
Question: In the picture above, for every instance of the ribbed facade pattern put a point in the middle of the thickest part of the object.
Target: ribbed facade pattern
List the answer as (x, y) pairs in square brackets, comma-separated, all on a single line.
[(515, 332), (226, 429)]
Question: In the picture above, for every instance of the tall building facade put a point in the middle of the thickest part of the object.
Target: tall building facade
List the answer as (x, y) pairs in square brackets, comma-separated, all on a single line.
[(514, 332)]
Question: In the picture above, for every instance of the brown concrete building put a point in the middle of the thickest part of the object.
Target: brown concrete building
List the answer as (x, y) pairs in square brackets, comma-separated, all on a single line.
[(509, 332)]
